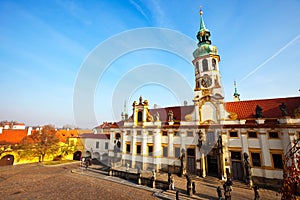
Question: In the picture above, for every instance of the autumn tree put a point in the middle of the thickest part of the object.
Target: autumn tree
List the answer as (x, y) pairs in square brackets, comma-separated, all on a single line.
[(291, 172), (40, 143)]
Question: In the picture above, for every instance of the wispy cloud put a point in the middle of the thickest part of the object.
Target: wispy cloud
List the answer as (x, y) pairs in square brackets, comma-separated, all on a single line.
[(270, 58), (159, 14), (139, 8)]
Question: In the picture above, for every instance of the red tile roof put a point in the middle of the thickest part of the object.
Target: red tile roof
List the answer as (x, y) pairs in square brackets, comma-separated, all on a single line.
[(179, 112), (12, 136), (243, 109), (63, 135), (270, 107), (95, 136)]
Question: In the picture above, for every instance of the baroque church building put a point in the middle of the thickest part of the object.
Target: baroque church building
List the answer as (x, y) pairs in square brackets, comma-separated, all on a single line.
[(210, 137)]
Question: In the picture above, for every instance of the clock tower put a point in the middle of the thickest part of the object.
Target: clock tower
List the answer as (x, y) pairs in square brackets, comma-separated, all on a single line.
[(208, 89)]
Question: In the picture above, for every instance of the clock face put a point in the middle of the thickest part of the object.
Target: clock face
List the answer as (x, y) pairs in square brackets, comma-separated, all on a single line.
[(206, 81)]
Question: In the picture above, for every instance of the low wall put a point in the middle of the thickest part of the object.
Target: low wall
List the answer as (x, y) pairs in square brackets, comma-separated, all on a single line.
[(138, 179)]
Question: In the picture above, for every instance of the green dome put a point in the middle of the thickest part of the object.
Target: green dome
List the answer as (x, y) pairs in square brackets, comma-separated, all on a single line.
[(205, 49)]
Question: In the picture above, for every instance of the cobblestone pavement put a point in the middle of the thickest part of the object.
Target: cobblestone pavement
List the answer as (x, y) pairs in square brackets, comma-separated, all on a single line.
[(34, 181), (205, 187)]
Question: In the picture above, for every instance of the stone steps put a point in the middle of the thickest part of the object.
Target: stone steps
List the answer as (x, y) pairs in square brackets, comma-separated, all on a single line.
[(172, 194)]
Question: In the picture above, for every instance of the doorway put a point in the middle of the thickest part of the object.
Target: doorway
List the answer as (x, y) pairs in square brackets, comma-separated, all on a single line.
[(237, 167), (191, 155), (7, 160), (212, 165), (77, 155)]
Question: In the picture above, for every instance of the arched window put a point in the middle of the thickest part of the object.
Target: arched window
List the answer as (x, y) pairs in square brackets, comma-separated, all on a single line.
[(205, 65), (118, 136), (214, 64), (140, 116)]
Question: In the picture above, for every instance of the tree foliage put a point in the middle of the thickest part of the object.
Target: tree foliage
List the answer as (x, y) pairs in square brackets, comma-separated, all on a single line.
[(40, 143), (291, 173)]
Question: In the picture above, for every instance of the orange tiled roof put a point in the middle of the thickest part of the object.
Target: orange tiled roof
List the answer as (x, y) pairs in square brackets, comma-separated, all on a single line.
[(12, 136), (244, 110), (179, 112), (63, 135), (270, 107)]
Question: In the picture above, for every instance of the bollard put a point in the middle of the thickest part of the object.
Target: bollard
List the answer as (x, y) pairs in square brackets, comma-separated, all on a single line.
[(256, 192), (194, 187), (177, 195), (227, 189), (169, 181), (188, 185), (219, 192), (110, 172), (139, 179), (153, 178), (172, 183)]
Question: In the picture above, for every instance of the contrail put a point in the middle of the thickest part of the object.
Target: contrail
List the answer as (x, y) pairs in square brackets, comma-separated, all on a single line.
[(270, 58)]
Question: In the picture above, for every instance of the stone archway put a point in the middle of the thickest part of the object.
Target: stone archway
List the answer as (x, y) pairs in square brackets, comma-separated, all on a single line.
[(87, 154), (96, 155), (7, 160), (77, 155)]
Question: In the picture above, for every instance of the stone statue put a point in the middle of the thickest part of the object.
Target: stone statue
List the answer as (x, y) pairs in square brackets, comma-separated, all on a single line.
[(283, 109), (156, 115), (258, 112), (247, 168), (220, 145), (170, 116), (182, 160), (200, 139)]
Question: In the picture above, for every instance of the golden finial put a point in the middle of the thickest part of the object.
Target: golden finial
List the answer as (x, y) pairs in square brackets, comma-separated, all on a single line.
[(201, 12)]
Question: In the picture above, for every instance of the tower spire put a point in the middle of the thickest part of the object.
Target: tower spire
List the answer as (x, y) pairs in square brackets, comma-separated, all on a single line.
[(236, 95), (202, 25), (124, 114), (203, 34)]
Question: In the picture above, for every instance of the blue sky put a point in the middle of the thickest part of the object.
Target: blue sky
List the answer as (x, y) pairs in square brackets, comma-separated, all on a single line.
[(45, 43)]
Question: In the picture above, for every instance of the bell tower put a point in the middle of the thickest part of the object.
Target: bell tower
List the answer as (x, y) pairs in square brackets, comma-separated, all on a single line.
[(208, 94)]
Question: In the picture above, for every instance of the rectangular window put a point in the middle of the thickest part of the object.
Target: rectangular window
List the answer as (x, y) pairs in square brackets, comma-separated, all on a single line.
[(150, 150), (190, 134), (277, 160), (233, 134), (128, 132), (176, 133), (138, 149), (165, 133), (177, 152), (255, 159), (139, 133), (252, 134), (273, 135), (150, 132), (97, 145), (127, 148), (106, 145), (165, 151)]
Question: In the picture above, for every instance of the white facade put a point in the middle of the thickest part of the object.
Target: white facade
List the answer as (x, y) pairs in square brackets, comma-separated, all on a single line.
[(211, 136), (95, 146)]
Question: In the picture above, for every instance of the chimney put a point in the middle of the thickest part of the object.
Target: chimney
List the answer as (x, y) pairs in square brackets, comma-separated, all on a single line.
[(185, 103), (29, 130)]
